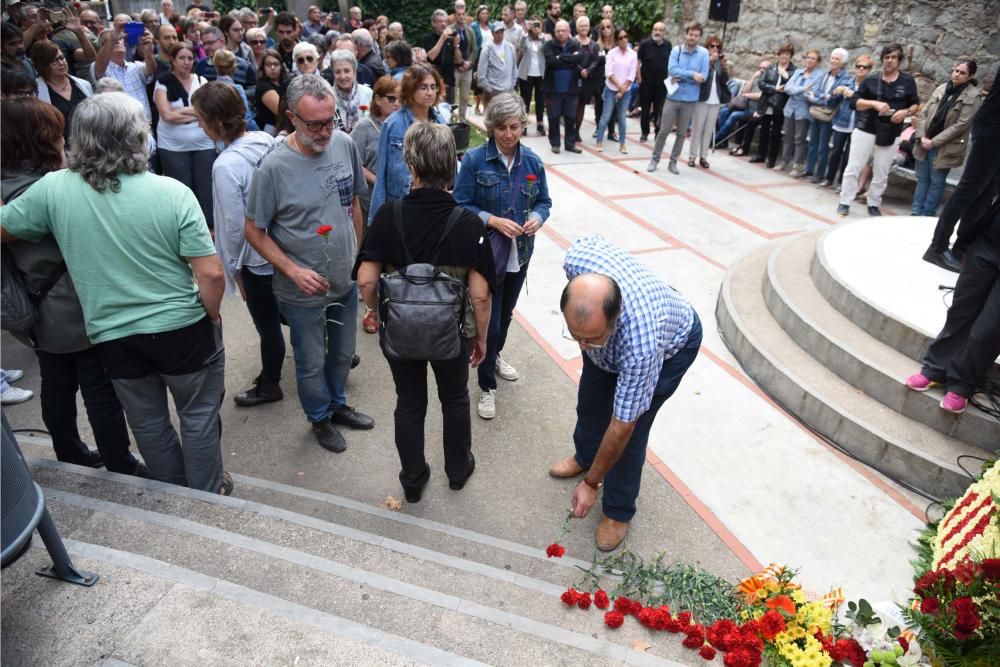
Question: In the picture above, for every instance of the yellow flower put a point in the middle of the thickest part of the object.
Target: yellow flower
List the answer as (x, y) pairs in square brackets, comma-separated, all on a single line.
[(799, 597)]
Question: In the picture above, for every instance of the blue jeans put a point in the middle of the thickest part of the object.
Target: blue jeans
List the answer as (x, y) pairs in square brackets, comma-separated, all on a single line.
[(594, 408), (930, 185), (728, 120), (323, 341), (819, 147), (504, 301), (609, 106)]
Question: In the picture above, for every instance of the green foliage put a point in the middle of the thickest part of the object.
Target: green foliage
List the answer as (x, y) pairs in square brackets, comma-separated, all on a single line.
[(925, 544), (862, 613)]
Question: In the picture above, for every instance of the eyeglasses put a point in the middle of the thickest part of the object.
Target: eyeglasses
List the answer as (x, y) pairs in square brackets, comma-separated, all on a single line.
[(714, 46), (860, 66), (622, 37), (317, 125), (585, 342), (304, 59), (391, 98), (428, 88), (256, 42)]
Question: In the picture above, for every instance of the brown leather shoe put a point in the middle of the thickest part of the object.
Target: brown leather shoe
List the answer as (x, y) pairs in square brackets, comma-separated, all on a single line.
[(610, 533), (565, 468)]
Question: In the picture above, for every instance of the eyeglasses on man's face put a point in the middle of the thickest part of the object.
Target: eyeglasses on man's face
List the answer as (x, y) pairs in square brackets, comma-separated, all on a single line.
[(584, 342), (317, 125)]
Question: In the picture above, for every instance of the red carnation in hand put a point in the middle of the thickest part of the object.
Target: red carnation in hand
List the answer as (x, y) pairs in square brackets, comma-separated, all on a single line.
[(930, 606), (584, 601), (531, 178), (614, 619), (570, 597), (555, 550), (362, 107), (707, 652), (601, 599), (323, 230), (770, 624)]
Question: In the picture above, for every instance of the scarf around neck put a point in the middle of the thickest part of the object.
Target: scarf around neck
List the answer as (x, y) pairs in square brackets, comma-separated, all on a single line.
[(348, 103)]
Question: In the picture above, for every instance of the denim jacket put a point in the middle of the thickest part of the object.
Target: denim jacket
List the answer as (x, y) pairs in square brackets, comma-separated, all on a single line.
[(484, 187), (797, 106), (392, 175), (844, 118)]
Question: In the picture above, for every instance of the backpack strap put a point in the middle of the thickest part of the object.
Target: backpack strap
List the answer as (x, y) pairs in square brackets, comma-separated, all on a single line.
[(397, 218), (456, 213)]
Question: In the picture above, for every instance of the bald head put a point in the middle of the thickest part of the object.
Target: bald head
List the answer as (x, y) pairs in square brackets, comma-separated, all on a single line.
[(590, 303)]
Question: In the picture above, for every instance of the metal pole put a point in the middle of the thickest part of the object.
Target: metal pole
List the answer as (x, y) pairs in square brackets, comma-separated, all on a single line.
[(62, 567)]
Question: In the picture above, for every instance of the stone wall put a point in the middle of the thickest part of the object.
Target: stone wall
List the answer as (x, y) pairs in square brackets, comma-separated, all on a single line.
[(935, 33)]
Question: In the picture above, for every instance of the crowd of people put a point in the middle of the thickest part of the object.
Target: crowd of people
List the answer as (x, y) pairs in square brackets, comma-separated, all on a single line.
[(295, 162)]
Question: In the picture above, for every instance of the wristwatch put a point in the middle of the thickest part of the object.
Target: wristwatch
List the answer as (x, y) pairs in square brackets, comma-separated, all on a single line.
[(595, 487)]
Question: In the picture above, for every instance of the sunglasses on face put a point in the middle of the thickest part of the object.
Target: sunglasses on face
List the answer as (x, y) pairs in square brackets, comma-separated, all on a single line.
[(391, 98), (304, 59), (256, 42), (860, 66)]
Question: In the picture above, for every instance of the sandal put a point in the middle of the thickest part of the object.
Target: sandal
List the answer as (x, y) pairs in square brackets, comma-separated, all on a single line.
[(737, 152), (600, 147), (370, 322), (704, 163), (691, 162), (623, 149)]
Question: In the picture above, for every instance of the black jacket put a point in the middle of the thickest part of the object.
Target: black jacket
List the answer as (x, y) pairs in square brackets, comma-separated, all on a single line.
[(770, 98), (561, 59), (721, 79), (900, 94)]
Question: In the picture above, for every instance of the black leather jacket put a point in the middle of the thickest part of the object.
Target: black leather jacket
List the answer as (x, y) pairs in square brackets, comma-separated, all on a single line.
[(770, 98)]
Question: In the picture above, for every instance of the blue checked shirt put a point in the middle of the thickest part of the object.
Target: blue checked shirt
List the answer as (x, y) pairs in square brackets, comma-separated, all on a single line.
[(653, 326)]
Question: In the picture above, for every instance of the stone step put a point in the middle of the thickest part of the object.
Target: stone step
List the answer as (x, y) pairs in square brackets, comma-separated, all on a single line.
[(451, 604), (876, 435), (860, 359)]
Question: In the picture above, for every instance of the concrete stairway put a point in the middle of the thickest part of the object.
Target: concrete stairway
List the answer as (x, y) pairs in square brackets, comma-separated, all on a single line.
[(837, 363), (281, 575)]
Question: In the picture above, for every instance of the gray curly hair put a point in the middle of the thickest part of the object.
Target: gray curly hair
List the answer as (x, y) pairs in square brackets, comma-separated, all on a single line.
[(109, 137), (504, 107)]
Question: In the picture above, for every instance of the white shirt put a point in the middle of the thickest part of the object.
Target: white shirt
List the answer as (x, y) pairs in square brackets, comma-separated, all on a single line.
[(181, 137)]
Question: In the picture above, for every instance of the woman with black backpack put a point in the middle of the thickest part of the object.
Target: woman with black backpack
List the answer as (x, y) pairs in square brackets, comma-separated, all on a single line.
[(443, 248)]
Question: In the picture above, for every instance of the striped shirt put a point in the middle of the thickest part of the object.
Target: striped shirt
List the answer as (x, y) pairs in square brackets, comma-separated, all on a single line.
[(653, 326), (133, 78)]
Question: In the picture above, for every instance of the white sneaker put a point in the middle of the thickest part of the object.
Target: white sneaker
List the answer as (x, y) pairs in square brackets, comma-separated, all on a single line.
[(505, 370), (15, 395), (13, 376), (488, 404)]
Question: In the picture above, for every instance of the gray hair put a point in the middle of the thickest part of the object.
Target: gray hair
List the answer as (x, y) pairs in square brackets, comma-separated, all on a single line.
[(362, 37), (148, 14), (437, 14), (254, 33), (246, 12), (312, 85), (343, 56), (109, 137), (844, 55), (108, 85), (331, 38), (504, 107), (303, 48), (429, 150), (317, 40), (213, 31)]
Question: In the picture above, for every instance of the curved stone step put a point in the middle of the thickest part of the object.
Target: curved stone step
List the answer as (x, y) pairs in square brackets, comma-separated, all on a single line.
[(860, 359), (879, 437)]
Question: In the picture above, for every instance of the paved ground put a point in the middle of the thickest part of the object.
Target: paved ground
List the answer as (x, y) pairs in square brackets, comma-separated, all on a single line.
[(733, 481)]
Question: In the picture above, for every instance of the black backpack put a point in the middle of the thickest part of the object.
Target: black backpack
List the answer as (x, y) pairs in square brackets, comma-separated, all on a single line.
[(421, 309)]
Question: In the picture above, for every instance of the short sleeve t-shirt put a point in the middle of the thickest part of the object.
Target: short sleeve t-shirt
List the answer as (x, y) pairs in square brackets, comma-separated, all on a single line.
[(292, 195), (125, 250), (182, 136)]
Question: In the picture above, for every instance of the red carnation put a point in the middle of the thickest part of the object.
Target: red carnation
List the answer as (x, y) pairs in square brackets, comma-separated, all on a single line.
[(570, 597), (673, 625), (555, 550), (930, 606), (770, 624), (852, 651), (684, 618), (966, 571), (695, 637), (741, 657), (904, 642), (362, 107), (623, 605), (707, 652), (531, 178), (721, 634), (647, 617), (614, 619), (601, 599), (925, 582), (323, 230), (584, 601), (663, 618), (991, 568)]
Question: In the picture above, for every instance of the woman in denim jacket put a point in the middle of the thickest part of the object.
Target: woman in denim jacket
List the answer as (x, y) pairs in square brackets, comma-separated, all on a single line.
[(420, 90), (825, 95), (843, 122), (503, 182), (794, 147)]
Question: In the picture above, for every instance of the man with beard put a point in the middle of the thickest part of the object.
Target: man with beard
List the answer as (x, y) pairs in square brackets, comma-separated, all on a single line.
[(552, 17), (653, 56), (299, 219), (286, 27), (12, 58)]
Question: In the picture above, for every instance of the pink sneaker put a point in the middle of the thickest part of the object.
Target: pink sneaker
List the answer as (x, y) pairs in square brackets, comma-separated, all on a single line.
[(919, 382), (952, 402)]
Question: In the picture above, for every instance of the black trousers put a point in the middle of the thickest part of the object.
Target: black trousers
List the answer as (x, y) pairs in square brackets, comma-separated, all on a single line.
[(972, 194), (64, 374), (651, 97), (410, 378), (263, 309), (532, 86), (562, 106), (753, 122), (963, 352), (838, 156), (770, 137)]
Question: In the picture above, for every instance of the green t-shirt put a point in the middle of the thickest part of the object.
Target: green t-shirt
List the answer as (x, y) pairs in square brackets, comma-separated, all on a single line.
[(125, 250)]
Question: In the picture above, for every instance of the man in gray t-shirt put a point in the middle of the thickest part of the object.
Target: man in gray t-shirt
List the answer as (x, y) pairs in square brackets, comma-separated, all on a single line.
[(304, 217)]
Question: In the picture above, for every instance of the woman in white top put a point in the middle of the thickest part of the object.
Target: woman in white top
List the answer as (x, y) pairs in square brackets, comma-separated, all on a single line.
[(186, 152)]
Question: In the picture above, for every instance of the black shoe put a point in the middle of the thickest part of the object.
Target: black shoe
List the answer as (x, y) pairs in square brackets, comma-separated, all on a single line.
[(612, 137), (769, 164), (355, 361), (262, 391), (946, 260), (413, 493), (92, 459), (458, 485), (874, 212), (644, 137), (756, 159), (351, 418), (328, 437), (574, 149), (843, 210), (540, 129), (140, 470)]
